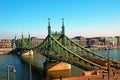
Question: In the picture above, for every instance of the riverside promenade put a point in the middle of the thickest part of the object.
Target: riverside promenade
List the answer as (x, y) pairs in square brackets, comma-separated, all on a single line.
[(5, 50), (114, 75)]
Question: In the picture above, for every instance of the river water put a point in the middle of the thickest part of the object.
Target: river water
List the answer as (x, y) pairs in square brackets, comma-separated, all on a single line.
[(114, 54), (22, 69)]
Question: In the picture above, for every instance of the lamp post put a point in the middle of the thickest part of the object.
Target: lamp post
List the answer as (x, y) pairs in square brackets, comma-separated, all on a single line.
[(108, 64), (30, 65), (8, 71)]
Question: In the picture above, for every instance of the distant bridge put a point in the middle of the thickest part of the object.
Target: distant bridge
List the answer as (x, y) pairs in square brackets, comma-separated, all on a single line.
[(58, 46)]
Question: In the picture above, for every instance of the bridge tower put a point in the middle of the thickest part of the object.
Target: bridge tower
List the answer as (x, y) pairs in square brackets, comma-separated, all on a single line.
[(49, 39), (22, 43), (30, 43), (53, 66), (49, 27)]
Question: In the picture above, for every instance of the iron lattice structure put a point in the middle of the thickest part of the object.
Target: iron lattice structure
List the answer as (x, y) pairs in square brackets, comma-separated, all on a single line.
[(60, 47), (26, 45)]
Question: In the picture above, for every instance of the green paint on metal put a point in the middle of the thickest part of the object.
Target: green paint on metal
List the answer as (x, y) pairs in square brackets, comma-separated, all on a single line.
[(63, 33), (26, 45), (63, 27), (60, 47), (73, 55), (49, 27), (88, 52), (30, 44), (60, 52), (22, 44)]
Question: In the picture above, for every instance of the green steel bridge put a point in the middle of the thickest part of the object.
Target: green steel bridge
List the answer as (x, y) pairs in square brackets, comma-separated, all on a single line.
[(59, 47)]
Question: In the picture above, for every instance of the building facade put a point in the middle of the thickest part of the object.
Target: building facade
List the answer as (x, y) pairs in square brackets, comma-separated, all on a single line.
[(111, 40), (118, 40), (5, 43), (80, 40), (36, 41)]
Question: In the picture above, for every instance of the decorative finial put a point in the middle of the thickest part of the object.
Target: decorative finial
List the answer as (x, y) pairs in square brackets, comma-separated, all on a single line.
[(22, 35), (63, 32), (29, 35), (48, 22), (63, 27), (15, 36), (49, 28), (62, 22)]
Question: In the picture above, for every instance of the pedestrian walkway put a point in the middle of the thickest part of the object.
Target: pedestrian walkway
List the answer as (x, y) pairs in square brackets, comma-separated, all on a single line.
[(114, 75)]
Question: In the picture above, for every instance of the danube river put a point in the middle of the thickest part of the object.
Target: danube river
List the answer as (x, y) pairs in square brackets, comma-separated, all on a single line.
[(114, 53), (22, 69)]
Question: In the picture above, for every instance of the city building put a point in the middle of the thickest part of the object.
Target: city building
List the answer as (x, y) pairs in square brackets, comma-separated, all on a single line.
[(95, 42), (5, 43), (111, 41), (101, 39), (36, 41), (80, 40), (118, 40)]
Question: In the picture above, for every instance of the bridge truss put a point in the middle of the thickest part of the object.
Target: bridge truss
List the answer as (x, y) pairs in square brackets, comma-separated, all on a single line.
[(62, 48)]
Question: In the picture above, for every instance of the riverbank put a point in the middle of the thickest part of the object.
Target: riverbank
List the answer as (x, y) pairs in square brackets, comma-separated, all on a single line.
[(104, 47), (5, 50), (22, 69), (114, 75), (37, 61)]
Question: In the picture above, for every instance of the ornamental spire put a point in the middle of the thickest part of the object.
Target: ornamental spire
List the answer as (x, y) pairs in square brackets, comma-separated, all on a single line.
[(49, 27), (29, 36), (63, 27), (62, 22), (63, 32), (15, 37), (22, 35)]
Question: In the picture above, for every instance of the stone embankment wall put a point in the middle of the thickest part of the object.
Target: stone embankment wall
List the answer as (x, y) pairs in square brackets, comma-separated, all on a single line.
[(5, 50), (104, 47)]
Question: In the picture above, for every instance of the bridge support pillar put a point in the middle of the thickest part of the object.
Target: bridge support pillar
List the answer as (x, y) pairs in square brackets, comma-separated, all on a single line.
[(56, 69)]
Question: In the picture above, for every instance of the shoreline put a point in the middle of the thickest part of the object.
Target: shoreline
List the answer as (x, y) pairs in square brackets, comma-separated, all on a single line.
[(104, 47), (5, 50)]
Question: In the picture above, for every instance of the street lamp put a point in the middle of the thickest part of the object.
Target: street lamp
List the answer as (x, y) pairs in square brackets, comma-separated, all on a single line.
[(12, 70), (30, 54), (108, 63)]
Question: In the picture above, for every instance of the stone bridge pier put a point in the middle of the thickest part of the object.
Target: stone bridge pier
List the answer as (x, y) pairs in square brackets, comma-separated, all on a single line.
[(56, 69)]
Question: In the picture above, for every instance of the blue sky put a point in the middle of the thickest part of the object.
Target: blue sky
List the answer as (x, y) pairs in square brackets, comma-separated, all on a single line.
[(86, 18)]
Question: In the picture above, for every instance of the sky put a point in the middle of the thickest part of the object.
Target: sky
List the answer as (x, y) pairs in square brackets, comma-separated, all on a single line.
[(88, 18)]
